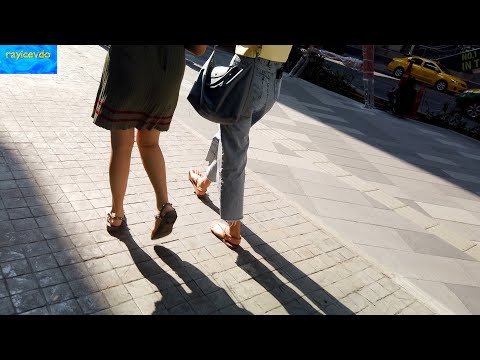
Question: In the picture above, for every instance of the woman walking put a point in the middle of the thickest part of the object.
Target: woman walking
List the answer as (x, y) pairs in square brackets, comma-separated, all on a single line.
[(139, 90), (227, 156)]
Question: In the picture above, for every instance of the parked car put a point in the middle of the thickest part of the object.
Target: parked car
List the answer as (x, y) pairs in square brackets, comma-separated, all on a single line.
[(428, 72), (469, 103)]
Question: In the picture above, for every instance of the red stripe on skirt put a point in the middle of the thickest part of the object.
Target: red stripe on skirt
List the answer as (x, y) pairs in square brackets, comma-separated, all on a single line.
[(113, 111)]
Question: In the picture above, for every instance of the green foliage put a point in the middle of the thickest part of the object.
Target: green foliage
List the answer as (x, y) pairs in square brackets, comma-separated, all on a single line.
[(319, 73), (452, 120)]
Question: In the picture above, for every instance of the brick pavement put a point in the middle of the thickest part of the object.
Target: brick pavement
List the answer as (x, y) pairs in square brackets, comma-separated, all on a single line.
[(57, 258)]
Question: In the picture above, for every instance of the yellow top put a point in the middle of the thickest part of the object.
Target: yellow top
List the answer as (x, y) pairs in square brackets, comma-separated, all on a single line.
[(270, 52)]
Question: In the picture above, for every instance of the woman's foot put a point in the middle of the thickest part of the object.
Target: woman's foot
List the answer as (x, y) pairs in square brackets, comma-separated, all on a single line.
[(199, 181), (228, 232), (164, 221), (115, 222)]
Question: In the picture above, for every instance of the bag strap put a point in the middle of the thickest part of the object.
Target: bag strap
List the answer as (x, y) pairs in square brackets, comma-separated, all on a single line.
[(213, 55)]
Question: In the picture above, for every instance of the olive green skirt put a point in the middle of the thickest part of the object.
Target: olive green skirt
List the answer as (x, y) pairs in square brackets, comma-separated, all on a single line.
[(139, 87)]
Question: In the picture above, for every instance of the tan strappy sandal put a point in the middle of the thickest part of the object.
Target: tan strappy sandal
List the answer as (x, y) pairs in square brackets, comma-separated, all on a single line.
[(219, 230), (193, 176), (163, 224)]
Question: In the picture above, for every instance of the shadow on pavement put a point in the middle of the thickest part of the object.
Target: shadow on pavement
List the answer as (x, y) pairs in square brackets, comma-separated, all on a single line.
[(291, 301), (39, 260), (396, 137), (175, 299)]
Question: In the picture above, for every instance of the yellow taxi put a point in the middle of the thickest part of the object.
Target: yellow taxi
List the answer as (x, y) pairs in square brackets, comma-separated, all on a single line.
[(428, 72)]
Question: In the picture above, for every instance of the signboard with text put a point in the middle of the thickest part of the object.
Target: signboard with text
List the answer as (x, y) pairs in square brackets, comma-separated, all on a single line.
[(28, 59), (468, 61)]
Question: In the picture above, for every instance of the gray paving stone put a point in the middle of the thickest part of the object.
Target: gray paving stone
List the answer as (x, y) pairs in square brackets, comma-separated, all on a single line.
[(19, 213), (150, 304), (172, 297), (450, 213), (41, 210), (355, 302), (37, 311), (440, 292), (13, 202), (119, 294), (43, 262), (28, 300), (6, 227), (182, 309), (21, 284), (93, 303), (139, 288), (121, 259), (430, 244), (3, 289), (3, 215), (6, 307), (90, 252), (107, 279), (84, 286), (390, 305), (46, 221), (206, 284), (15, 268), (25, 237), (50, 277), (111, 247), (469, 295), (53, 232), (126, 308), (75, 271), (67, 257), (36, 248), (129, 273), (57, 293), (69, 307), (280, 182), (416, 309), (24, 224), (202, 305), (60, 244)]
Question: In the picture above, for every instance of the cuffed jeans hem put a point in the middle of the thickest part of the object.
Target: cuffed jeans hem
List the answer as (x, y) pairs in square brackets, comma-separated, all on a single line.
[(212, 180)]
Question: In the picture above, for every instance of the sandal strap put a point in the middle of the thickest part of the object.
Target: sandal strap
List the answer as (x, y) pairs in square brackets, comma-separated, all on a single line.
[(159, 214), (110, 217)]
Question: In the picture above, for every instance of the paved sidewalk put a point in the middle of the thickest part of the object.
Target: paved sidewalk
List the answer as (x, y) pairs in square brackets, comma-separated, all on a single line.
[(403, 193), (57, 258)]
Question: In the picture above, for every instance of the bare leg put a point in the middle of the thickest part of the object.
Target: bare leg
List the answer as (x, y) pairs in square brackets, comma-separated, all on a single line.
[(233, 229), (154, 164), (122, 144)]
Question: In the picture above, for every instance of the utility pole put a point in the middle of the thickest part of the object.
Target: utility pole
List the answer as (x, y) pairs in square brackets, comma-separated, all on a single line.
[(368, 76)]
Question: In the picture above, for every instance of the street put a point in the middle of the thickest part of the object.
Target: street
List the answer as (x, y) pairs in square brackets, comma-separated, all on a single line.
[(432, 101)]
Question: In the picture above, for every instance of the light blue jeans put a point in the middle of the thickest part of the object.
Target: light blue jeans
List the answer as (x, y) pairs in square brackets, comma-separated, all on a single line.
[(227, 155)]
